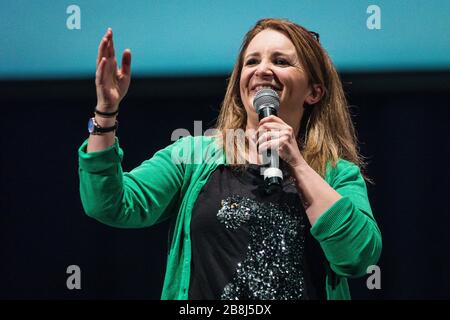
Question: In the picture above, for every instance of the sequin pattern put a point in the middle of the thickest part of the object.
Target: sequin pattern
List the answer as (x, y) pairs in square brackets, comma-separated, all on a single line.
[(272, 267)]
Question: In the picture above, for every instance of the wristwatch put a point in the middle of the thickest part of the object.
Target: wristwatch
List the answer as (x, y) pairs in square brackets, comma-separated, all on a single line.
[(94, 128)]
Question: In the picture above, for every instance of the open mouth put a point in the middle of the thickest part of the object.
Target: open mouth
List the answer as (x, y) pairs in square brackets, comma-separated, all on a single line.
[(259, 87)]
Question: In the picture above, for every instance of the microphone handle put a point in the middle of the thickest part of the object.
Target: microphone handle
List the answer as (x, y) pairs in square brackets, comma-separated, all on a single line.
[(263, 113), (273, 176), (267, 111)]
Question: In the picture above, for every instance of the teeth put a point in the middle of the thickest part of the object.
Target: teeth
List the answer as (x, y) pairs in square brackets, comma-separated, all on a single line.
[(265, 87)]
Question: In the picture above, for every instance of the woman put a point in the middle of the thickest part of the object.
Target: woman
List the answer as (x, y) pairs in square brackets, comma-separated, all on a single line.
[(229, 239)]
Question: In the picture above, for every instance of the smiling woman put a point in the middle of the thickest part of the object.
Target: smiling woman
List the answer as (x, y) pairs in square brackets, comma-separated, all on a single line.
[(290, 59), (229, 238), (272, 62)]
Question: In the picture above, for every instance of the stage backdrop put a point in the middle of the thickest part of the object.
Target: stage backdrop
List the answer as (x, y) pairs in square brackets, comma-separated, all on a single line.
[(59, 39)]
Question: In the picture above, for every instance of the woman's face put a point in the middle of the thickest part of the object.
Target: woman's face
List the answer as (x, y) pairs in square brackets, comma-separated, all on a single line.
[(271, 60)]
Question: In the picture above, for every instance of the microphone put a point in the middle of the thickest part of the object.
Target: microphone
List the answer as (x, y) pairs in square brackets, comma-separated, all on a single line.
[(267, 102)]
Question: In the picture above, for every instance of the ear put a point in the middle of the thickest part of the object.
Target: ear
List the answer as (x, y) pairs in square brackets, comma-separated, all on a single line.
[(315, 94)]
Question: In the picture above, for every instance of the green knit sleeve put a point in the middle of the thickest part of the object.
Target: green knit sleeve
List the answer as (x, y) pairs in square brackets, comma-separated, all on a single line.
[(347, 231), (140, 198)]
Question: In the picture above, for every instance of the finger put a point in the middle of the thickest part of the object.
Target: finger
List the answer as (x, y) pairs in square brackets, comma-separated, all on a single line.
[(271, 118), (100, 74), (111, 52), (102, 49), (267, 136), (268, 127), (271, 127), (269, 145), (126, 62), (274, 144)]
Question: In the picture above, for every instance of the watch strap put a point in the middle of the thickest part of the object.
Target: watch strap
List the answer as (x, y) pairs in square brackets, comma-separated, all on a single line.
[(99, 129)]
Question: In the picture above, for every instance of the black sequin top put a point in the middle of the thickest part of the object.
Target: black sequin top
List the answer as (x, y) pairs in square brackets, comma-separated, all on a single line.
[(250, 245)]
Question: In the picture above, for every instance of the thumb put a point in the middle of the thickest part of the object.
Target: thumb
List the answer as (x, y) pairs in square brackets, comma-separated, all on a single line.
[(126, 62)]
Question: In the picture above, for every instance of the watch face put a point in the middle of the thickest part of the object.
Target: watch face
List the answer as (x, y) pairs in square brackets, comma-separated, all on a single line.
[(91, 125)]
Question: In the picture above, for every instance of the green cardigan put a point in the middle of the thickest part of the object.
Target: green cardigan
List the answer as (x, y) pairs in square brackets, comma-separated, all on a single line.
[(168, 184)]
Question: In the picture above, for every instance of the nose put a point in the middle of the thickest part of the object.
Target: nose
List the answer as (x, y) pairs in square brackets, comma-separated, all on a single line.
[(264, 70)]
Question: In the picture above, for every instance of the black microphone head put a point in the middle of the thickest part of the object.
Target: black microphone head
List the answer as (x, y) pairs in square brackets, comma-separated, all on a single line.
[(266, 98)]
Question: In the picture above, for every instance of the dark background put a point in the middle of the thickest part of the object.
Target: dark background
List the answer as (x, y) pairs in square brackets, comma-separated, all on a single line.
[(402, 122)]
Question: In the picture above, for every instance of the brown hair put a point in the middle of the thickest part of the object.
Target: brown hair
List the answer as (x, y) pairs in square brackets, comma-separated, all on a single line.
[(326, 130)]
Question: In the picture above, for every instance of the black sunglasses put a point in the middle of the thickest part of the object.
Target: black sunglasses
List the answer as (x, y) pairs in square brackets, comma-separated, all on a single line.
[(315, 35)]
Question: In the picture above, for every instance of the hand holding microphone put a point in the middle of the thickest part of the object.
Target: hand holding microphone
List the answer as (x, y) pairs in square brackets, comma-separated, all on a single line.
[(267, 102)]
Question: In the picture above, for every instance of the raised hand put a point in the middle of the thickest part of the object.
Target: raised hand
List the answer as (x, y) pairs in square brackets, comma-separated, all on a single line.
[(111, 83)]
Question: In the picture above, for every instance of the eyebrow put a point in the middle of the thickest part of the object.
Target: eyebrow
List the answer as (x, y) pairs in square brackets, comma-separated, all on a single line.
[(275, 53)]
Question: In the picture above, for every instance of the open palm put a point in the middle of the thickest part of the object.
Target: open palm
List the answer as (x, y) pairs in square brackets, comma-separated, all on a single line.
[(111, 83)]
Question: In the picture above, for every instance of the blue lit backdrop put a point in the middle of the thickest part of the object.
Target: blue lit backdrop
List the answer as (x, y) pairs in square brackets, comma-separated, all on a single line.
[(202, 37)]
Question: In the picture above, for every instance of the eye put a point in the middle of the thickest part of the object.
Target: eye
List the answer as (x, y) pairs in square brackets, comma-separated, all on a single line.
[(281, 61), (250, 61)]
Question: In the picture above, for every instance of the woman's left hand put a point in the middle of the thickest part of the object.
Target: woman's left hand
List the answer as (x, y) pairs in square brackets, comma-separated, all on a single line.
[(273, 133)]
